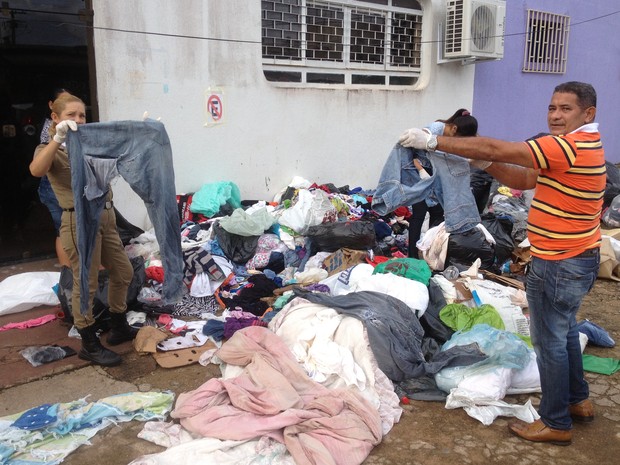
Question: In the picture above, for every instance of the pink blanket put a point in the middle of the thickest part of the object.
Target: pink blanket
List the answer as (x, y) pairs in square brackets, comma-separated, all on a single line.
[(274, 397)]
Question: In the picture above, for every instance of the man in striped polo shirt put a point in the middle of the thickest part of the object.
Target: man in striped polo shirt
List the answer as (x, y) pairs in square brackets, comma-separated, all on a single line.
[(567, 169)]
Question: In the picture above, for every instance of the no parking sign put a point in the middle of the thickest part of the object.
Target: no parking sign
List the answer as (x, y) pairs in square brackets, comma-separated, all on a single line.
[(214, 107)]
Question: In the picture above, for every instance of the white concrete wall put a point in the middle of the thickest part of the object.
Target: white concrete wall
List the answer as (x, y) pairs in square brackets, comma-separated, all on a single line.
[(269, 134)]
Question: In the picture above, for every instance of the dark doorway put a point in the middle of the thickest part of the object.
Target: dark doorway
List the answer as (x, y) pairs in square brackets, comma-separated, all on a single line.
[(43, 46)]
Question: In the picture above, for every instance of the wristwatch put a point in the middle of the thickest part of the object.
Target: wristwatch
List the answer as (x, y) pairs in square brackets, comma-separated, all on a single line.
[(431, 143)]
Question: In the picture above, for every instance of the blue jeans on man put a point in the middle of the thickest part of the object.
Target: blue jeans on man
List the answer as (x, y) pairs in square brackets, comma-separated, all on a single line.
[(555, 290)]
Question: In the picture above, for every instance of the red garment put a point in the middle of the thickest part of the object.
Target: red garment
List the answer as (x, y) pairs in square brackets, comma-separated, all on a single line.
[(402, 211), (378, 259), (156, 273)]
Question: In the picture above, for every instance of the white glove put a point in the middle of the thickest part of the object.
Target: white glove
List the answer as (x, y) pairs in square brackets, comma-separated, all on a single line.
[(415, 138), (62, 128), (480, 164), (145, 116)]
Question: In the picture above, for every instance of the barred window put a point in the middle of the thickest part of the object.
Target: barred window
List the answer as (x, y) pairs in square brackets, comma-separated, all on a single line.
[(546, 44), (349, 42)]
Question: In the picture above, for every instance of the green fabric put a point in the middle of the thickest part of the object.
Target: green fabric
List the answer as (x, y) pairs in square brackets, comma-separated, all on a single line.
[(241, 223), (604, 366), (210, 198), (411, 268), (460, 317)]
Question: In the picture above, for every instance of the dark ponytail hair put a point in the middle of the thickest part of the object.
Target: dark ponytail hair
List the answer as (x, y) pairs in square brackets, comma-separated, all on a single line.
[(458, 113), (466, 125)]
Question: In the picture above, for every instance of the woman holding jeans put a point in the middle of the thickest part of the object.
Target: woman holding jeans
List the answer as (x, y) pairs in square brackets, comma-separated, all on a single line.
[(52, 159)]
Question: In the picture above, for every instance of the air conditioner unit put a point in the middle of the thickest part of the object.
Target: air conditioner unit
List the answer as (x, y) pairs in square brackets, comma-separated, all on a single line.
[(474, 29)]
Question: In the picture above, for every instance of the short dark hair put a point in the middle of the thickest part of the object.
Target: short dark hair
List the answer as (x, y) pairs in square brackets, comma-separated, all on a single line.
[(586, 95)]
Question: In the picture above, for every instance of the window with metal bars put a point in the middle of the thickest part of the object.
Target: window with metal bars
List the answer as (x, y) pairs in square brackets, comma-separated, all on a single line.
[(546, 43), (347, 42)]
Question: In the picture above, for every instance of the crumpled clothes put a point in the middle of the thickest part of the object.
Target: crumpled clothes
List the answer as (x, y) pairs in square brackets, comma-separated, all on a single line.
[(45, 354), (29, 323), (596, 335)]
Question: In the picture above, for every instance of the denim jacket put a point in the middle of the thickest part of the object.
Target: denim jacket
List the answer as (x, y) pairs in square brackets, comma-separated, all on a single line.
[(400, 185)]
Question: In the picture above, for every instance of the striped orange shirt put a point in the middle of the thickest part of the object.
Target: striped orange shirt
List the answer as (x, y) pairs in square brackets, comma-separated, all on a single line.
[(565, 215)]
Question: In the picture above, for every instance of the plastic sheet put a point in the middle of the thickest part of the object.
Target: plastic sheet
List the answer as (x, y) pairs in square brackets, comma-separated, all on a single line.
[(24, 291)]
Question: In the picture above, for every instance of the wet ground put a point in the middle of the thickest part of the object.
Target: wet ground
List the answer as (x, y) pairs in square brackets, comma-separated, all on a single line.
[(428, 433)]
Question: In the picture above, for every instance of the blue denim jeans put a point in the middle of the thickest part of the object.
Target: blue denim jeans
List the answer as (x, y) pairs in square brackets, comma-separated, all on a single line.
[(140, 152), (555, 290), (449, 185)]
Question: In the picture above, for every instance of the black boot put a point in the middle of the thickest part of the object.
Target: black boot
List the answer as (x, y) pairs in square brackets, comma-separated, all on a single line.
[(93, 351), (120, 331)]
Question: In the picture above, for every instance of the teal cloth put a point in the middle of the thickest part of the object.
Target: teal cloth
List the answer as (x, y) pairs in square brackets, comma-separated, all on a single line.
[(602, 365), (210, 198)]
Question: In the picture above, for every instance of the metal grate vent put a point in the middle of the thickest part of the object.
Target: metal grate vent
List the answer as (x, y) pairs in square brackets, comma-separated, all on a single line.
[(546, 44), (454, 27)]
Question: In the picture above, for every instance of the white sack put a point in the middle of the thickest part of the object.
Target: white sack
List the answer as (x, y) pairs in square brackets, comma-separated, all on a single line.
[(27, 290)]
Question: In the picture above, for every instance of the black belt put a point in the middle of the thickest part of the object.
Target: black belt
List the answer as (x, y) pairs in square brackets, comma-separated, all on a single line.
[(109, 204)]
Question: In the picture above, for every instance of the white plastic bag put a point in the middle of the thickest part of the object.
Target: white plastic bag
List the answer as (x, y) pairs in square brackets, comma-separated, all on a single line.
[(486, 410), (311, 209), (507, 301), (24, 291)]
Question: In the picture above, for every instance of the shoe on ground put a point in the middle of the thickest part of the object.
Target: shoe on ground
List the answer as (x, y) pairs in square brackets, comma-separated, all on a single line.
[(582, 412), (539, 432)]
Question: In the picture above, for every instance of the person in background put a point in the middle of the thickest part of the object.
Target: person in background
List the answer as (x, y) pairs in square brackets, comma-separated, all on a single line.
[(567, 168), (46, 193), (52, 159), (462, 124), (481, 183)]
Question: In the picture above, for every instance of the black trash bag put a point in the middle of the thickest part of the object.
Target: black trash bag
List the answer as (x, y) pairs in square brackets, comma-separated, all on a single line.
[(501, 230), (612, 185), (465, 248), (430, 321), (238, 249), (329, 237), (613, 173), (611, 217), (137, 282), (611, 192), (126, 230)]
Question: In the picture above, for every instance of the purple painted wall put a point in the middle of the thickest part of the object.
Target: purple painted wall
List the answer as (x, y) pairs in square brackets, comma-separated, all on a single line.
[(512, 105)]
